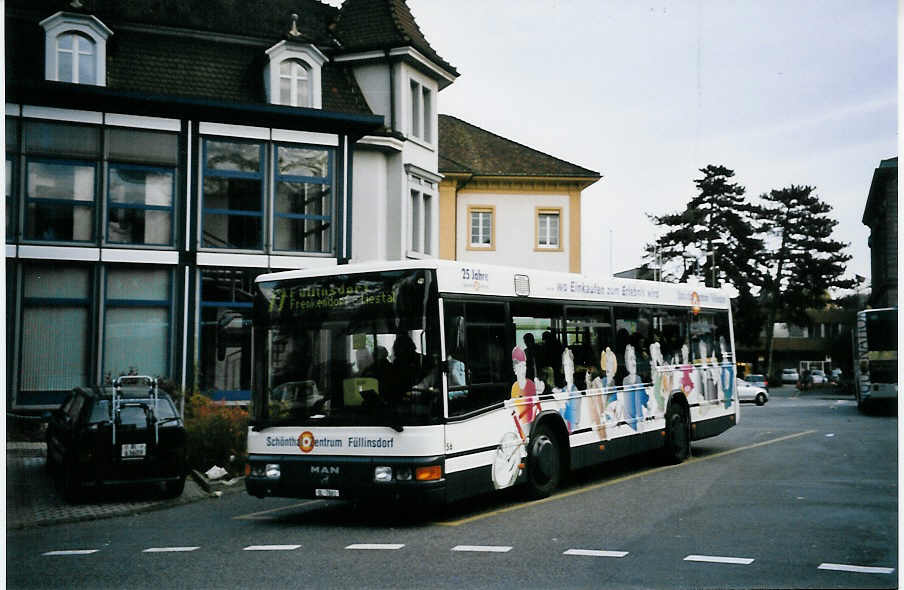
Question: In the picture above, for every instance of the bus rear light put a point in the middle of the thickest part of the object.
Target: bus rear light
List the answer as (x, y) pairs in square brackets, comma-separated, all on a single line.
[(429, 473)]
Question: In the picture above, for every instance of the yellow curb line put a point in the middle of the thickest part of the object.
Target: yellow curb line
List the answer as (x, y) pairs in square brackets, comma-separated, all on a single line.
[(618, 480)]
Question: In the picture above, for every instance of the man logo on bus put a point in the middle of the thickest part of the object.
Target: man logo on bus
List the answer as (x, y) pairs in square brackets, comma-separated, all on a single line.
[(306, 442)]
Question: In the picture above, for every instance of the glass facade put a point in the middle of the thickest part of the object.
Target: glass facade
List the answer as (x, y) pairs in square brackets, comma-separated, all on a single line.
[(56, 323), (224, 370), (111, 283), (137, 322)]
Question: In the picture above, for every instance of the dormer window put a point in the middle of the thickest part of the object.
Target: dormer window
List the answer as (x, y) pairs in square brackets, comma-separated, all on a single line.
[(294, 83), (76, 59), (75, 49), (292, 76)]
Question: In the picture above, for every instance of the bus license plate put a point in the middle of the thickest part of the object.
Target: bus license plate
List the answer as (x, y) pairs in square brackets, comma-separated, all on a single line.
[(324, 493), (133, 451)]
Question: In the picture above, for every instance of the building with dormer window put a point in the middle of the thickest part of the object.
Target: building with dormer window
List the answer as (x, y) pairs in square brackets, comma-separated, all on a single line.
[(160, 156)]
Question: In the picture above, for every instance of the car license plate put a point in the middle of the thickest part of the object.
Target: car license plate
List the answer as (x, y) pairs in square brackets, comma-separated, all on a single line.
[(134, 451), (325, 493)]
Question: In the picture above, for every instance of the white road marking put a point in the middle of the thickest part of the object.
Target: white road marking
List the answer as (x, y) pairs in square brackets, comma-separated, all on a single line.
[(483, 548), (595, 553), (838, 567), (271, 548), (169, 549), (717, 559), (376, 546), (73, 552)]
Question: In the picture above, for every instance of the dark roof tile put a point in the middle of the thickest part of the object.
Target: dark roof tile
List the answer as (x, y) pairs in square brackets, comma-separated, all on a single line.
[(467, 148), (363, 25), (187, 59)]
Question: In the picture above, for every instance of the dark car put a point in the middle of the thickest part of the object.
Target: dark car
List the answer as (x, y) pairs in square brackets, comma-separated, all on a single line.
[(124, 434)]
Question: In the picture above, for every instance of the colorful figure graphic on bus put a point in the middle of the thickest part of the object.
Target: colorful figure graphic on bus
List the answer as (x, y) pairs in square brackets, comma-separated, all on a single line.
[(686, 383), (660, 378), (599, 398), (728, 374), (509, 456), (633, 396), (571, 409), (524, 392)]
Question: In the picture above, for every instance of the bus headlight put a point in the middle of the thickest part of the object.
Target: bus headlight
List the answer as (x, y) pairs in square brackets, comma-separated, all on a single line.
[(403, 474), (272, 471), (383, 473)]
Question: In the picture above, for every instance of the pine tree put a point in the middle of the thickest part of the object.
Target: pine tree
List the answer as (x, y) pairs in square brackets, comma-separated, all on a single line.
[(803, 262), (716, 226)]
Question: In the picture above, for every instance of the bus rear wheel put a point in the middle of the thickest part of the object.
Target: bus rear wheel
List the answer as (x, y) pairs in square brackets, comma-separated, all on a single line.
[(544, 469), (677, 435)]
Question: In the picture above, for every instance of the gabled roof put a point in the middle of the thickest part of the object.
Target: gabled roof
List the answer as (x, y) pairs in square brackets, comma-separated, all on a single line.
[(468, 149), (363, 25), (209, 49)]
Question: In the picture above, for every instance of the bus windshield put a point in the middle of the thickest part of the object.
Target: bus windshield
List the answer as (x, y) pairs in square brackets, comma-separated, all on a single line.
[(882, 330), (356, 349)]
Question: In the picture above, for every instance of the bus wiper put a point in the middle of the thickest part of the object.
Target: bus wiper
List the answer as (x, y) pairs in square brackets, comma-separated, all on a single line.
[(258, 425), (394, 419)]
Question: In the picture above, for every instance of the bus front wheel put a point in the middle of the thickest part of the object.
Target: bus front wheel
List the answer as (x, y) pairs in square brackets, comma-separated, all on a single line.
[(677, 435), (544, 463)]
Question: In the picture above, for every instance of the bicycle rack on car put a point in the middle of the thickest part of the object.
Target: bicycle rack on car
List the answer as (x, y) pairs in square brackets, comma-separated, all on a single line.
[(118, 403)]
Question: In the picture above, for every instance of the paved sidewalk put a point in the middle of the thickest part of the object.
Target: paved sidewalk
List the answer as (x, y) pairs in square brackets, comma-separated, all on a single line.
[(32, 500)]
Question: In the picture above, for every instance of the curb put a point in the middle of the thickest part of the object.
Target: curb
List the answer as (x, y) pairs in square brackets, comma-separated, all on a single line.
[(217, 487), (39, 505)]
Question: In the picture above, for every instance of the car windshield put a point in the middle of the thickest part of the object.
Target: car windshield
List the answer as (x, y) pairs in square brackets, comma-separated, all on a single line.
[(358, 349), (755, 378)]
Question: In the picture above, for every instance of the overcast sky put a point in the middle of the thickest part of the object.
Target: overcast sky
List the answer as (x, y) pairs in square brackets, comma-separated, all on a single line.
[(647, 92)]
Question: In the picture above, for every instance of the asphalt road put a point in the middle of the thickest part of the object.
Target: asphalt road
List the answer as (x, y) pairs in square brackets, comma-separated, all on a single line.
[(802, 494)]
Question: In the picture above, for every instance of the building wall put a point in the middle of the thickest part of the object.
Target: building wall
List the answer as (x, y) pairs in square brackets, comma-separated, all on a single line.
[(515, 214), (370, 207)]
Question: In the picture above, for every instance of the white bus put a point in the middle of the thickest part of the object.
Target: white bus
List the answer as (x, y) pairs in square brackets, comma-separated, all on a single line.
[(876, 355), (438, 380)]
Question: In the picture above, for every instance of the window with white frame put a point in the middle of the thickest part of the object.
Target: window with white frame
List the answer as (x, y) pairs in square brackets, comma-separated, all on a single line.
[(482, 228), (75, 49), (294, 83), (292, 76), (422, 186), (63, 190), (421, 112), (421, 221), (250, 187), (549, 229)]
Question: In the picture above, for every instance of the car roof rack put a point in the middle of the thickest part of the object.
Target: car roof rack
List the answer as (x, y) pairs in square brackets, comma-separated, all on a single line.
[(153, 392)]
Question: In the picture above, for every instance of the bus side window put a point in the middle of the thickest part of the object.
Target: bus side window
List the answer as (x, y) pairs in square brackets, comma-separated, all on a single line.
[(454, 314), (635, 329), (540, 333), (588, 334), (482, 351)]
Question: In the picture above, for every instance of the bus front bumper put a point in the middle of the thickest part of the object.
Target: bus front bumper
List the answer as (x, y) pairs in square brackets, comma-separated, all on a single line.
[(346, 478)]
